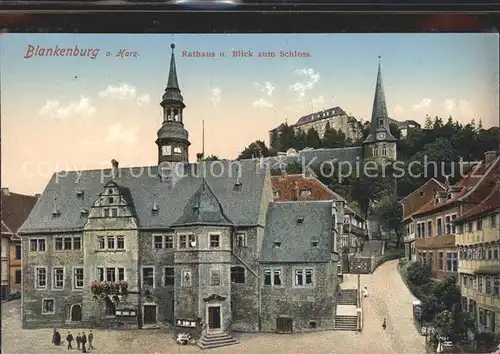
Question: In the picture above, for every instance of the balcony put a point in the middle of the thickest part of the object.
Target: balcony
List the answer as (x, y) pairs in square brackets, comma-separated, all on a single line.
[(442, 241), (409, 238), (355, 230), (478, 265), (483, 236)]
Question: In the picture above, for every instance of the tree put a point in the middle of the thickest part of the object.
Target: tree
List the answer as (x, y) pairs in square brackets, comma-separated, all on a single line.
[(428, 122), (448, 292), (390, 213), (453, 325), (418, 274), (212, 158), (312, 139), (256, 149), (333, 138)]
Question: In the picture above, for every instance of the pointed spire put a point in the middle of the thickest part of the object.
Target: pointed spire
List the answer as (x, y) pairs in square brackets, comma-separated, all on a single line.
[(172, 83)]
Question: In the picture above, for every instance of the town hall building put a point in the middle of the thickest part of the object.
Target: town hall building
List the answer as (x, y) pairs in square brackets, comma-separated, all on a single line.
[(187, 245)]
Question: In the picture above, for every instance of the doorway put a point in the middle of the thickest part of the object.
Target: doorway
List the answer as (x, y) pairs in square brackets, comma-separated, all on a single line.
[(150, 315), (214, 317), (284, 324), (76, 313)]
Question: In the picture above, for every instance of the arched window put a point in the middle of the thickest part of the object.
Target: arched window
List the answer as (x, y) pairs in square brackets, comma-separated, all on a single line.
[(238, 274), (375, 151), (177, 150), (76, 313), (384, 150)]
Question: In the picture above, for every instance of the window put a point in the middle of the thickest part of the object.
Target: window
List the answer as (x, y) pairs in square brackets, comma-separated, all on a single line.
[(18, 252), (480, 284), (453, 226), (215, 277), (267, 277), (300, 221), (148, 276), (163, 241), (439, 223), (451, 261), (384, 150), (110, 212), (495, 252), (469, 226), (488, 287), (496, 286), (120, 242), (314, 243), (101, 242), (67, 243), (17, 277), (440, 260), (276, 193), (157, 241), (48, 306), (110, 274), (58, 273), (304, 277), (186, 277), (169, 241), (241, 240), (111, 242), (479, 224), (182, 241), (493, 220), (238, 275), (447, 222), (374, 151), (191, 241), (168, 276), (277, 244), (214, 241), (37, 245), (41, 278), (166, 150), (272, 277), (305, 192), (429, 228), (77, 278), (490, 252), (431, 260), (105, 212)]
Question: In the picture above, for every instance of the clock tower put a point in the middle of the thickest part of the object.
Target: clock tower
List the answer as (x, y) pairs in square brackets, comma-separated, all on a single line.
[(172, 139), (380, 143)]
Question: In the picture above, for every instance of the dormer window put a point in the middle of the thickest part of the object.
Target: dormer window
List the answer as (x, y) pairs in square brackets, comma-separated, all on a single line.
[(422, 193), (276, 193), (111, 200), (80, 193), (110, 212), (449, 196), (277, 244), (315, 243), (300, 220), (305, 192), (55, 214), (436, 201), (84, 212)]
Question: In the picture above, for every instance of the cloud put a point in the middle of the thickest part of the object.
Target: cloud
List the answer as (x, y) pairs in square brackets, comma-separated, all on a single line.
[(398, 111), (309, 78), (266, 87), (261, 103), (74, 109), (459, 109), (116, 133), (124, 92), (215, 96), (425, 103)]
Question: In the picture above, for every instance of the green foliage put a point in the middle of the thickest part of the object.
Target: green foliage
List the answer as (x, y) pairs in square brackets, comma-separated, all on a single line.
[(212, 158), (256, 149), (390, 212), (448, 292), (453, 324), (418, 274)]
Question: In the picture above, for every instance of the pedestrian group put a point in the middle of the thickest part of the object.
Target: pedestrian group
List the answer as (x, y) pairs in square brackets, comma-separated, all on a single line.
[(83, 342)]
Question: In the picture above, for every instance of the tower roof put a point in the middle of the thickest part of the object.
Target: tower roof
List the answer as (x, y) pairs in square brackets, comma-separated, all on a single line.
[(379, 111), (172, 91)]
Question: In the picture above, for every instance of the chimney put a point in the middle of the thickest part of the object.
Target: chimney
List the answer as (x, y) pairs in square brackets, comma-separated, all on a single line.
[(5, 191), (490, 156), (114, 168)]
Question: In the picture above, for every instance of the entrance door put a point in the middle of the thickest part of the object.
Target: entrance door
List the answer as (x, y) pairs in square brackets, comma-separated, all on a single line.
[(76, 313), (214, 317), (149, 315), (284, 324)]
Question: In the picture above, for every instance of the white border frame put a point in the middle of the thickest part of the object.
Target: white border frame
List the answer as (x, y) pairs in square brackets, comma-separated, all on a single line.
[(53, 287), (219, 234), (153, 241), (235, 243), (43, 307), (73, 279), (218, 270), (37, 243), (305, 286), (46, 287), (157, 313), (221, 317), (164, 276)]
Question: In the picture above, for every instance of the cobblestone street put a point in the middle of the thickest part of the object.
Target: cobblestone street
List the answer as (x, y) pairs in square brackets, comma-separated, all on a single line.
[(388, 298)]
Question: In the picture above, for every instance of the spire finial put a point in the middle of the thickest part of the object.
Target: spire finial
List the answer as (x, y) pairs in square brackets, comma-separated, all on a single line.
[(172, 75), (173, 46)]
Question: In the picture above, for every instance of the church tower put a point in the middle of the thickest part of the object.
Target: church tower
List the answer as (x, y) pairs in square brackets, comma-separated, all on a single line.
[(380, 143), (173, 143)]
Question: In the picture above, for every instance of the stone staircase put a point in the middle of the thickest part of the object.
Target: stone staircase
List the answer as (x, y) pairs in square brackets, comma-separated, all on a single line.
[(346, 323), (212, 340), (347, 297)]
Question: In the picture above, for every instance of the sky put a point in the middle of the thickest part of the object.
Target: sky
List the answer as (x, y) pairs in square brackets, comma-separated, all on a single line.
[(74, 113)]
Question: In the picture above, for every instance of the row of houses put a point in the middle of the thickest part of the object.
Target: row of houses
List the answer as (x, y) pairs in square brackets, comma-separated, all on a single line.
[(455, 230), (15, 209)]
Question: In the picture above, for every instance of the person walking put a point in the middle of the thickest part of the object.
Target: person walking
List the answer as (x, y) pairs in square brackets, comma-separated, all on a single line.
[(84, 343), (78, 341), (91, 338), (69, 338), (384, 324)]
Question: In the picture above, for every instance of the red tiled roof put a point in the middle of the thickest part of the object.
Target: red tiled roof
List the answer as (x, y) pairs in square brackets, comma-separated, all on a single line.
[(464, 186), (15, 208), (288, 187)]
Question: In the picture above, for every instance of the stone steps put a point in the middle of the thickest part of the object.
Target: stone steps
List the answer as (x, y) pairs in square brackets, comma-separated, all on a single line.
[(347, 297), (346, 323), (216, 340)]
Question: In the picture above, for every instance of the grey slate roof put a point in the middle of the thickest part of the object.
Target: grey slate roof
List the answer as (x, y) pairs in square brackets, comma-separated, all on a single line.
[(145, 187), (203, 209), (317, 156), (330, 112), (379, 111), (295, 247)]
